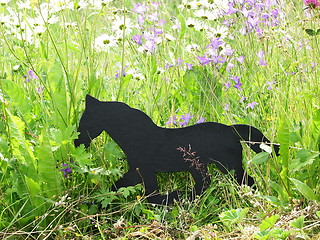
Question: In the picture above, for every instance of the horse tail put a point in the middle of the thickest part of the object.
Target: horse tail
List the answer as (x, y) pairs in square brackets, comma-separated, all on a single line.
[(253, 137)]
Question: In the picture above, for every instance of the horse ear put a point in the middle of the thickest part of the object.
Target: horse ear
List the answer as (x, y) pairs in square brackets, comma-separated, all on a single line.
[(91, 100)]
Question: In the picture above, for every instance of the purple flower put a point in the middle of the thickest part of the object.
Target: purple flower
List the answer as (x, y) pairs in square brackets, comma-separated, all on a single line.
[(253, 22), (30, 75), (201, 120), (172, 120), (251, 105), (40, 89), (231, 9), (238, 84), (260, 54), (156, 5), (179, 61), (189, 66), (218, 59), (240, 59), (137, 38), (204, 60), (66, 170), (141, 20), (150, 46), (186, 119), (215, 43), (262, 61), (274, 13), (154, 17), (139, 8), (168, 65), (269, 84), (162, 22), (229, 66), (236, 79), (312, 3), (227, 85)]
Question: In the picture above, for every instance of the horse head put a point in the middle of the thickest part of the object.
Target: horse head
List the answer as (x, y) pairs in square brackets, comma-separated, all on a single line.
[(89, 126)]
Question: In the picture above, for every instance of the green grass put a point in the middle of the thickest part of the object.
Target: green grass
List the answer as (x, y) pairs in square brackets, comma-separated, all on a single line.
[(48, 66)]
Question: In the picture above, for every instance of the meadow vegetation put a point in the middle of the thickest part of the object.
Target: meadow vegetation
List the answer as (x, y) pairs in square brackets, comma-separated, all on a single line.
[(182, 62)]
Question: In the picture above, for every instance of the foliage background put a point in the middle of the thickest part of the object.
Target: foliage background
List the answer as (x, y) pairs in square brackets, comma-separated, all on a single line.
[(252, 62)]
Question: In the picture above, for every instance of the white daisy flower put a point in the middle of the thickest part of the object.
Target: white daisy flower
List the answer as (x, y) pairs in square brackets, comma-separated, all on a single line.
[(24, 5), (168, 37), (135, 74), (122, 23), (219, 32), (4, 2), (190, 4), (5, 19), (82, 4), (201, 26), (191, 48), (98, 4), (104, 42), (191, 22), (207, 14)]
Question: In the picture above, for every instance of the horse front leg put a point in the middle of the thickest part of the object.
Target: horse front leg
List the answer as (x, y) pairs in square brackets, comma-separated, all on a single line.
[(130, 178)]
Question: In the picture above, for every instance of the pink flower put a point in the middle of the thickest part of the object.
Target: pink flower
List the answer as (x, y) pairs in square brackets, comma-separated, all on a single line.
[(312, 3)]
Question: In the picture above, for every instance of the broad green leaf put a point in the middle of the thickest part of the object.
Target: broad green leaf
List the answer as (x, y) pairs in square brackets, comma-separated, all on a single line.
[(58, 93), (18, 96), (268, 222), (260, 158), (34, 192), (298, 222), (233, 216), (124, 81), (126, 191), (81, 157), (21, 147), (304, 189), (303, 159), (49, 175), (312, 32), (284, 139)]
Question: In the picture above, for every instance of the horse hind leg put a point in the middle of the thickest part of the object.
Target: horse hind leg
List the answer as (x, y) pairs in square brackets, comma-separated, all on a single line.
[(152, 191), (202, 180)]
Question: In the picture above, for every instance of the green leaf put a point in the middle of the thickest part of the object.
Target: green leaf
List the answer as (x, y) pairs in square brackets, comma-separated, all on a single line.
[(268, 222), (233, 216), (298, 222), (47, 166), (303, 159), (80, 155), (310, 32), (124, 81), (18, 96), (304, 189), (284, 140), (21, 147), (127, 191), (260, 158), (34, 192)]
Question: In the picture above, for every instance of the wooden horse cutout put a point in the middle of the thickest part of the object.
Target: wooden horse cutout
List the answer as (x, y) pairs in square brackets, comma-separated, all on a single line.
[(152, 149)]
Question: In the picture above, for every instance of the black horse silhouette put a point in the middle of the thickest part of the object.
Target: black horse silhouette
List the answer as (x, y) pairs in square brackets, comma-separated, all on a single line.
[(151, 149)]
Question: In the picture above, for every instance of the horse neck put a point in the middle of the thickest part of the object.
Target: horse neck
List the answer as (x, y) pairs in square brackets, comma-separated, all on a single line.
[(131, 135)]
